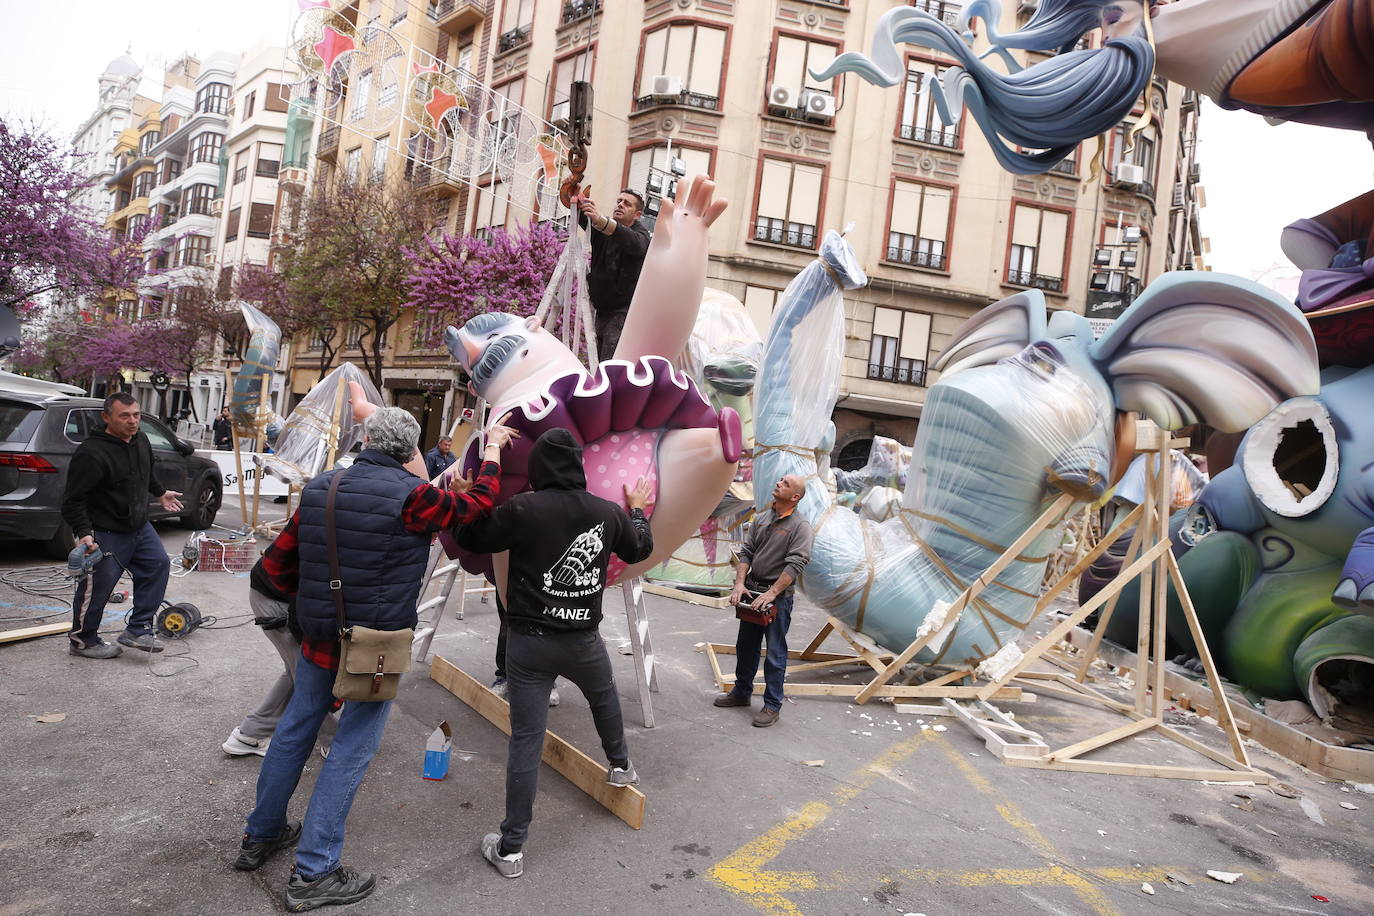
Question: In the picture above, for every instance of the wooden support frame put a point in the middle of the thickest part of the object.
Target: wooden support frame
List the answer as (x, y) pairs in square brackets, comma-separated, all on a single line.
[(625, 802), (1150, 558)]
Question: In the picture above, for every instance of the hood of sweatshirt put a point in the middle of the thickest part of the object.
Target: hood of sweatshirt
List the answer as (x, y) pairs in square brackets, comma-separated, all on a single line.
[(556, 462)]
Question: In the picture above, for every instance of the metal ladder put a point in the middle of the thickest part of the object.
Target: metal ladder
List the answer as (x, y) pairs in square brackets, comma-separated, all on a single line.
[(641, 645), (429, 611)]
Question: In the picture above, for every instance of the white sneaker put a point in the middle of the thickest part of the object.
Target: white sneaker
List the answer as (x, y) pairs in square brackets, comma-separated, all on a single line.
[(554, 699), (501, 688), (240, 745)]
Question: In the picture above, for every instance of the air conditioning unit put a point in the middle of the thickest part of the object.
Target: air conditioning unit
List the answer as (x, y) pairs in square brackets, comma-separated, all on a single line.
[(781, 97), (1129, 173), (818, 105), (664, 85), (1180, 195)]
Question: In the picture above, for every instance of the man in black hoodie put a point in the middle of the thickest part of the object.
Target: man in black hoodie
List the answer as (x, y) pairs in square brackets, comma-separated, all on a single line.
[(106, 503), (560, 539)]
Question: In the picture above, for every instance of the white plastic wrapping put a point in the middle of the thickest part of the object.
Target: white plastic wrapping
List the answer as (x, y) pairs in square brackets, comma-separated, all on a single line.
[(887, 462), (996, 444), (248, 404), (303, 444)]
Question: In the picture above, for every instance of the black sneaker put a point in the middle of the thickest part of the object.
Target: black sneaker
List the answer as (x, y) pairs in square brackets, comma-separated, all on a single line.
[(340, 887), (99, 649), (252, 853)]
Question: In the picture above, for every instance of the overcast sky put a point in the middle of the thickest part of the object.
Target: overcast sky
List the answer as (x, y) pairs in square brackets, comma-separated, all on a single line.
[(1258, 178)]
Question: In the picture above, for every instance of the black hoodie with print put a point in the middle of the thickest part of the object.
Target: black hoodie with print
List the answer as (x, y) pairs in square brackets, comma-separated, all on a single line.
[(108, 484), (560, 539)]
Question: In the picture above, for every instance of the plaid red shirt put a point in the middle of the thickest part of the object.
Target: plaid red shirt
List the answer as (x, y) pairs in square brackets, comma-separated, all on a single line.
[(427, 509)]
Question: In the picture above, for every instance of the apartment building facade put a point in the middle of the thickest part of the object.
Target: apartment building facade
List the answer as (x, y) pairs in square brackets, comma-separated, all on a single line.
[(725, 87)]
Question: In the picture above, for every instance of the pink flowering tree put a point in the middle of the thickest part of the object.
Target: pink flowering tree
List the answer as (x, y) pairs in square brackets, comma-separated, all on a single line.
[(457, 277), (48, 243)]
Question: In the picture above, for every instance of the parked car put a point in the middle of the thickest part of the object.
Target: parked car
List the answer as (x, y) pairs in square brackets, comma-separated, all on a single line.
[(39, 432)]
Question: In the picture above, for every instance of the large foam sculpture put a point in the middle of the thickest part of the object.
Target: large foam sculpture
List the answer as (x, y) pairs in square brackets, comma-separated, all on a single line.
[(722, 357), (254, 379), (1024, 409), (1282, 568), (1298, 60), (635, 415), (303, 444)]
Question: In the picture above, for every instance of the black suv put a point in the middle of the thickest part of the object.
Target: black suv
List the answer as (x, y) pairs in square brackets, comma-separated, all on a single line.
[(38, 435)]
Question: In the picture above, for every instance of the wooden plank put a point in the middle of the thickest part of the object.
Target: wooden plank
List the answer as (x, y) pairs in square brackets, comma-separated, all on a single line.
[(626, 803), (1068, 623), (1114, 768), (1087, 560), (42, 629), (1008, 694), (1031, 745), (1333, 762), (666, 591), (1224, 717), (819, 638), (1111, 736)]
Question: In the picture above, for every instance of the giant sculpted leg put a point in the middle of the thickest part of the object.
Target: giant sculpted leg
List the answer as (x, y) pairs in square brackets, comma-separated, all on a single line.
[(664, 309)]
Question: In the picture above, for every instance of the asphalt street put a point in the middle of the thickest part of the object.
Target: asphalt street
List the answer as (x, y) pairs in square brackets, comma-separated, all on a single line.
[(128, 805)]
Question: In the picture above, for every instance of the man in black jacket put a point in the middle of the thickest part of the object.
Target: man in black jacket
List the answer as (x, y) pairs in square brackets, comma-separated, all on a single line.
[(565, 537), (619, 243), (223, 429), (109, 484)]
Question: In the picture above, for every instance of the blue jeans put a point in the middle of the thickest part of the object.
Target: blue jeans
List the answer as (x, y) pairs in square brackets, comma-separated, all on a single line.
[(355, 744), (142, 554), (774, 664)]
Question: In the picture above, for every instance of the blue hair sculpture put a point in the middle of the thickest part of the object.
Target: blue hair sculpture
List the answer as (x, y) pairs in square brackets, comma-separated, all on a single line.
[(1050, 106)]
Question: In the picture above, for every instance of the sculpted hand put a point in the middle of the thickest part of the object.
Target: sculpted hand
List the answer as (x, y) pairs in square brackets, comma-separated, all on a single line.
[(664, 309), (169, 501), (637, 498)]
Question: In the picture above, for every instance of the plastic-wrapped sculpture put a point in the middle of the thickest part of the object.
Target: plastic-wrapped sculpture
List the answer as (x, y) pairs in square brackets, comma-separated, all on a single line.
[(722, 357), (254, 378), (1025, 409), (635, 415), (303, 442)]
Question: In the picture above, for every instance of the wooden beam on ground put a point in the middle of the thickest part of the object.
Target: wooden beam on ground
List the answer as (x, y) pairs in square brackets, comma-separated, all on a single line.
[(626, 803), (666, 591), (43, 629)]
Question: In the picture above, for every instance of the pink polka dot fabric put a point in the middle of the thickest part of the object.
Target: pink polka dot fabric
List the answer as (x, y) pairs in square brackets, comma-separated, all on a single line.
[(617, 461)]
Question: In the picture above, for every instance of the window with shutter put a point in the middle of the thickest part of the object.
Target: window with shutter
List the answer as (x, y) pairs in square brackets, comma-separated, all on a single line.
[(920, 224), (231, 224), (898, 348), (693, 54), (278, 97), (789, 201), (1037, 248)]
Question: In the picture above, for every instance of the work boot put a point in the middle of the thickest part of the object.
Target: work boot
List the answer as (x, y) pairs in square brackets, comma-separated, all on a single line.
[(731, 699), (99, 649), (622, 776), (766, 717), (510, 866), (341, 886), (145, 642), (253, 853)]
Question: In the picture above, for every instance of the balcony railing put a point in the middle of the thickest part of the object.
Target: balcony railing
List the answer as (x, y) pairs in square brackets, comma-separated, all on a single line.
[(689, 99), (799, 114), (913, 374), (947, 137), (1040, 281), (457, 16), (781, 232), (329, 143), (946, 12), (917, 258), (577, 10), (515, 38)]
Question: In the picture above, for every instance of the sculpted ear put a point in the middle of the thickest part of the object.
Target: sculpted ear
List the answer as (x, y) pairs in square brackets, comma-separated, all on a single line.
[(1000, 330), (533, 322), (1208, 348)]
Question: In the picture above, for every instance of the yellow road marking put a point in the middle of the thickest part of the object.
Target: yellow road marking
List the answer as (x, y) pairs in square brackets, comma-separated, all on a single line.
[(745, 872)]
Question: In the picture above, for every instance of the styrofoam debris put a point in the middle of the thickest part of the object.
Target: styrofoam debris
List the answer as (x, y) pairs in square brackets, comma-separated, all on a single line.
[(940, 728), (813, 763), (1225, 877), (1349, 807), (1147, 889), (1267, 830), (1101, 833), (1309, 807), (1365, 787)]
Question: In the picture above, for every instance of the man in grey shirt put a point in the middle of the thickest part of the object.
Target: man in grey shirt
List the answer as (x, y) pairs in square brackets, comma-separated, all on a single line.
[(776, 549)]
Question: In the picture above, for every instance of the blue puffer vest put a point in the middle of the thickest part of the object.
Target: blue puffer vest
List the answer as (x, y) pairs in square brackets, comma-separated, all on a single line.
[(381, 563)]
